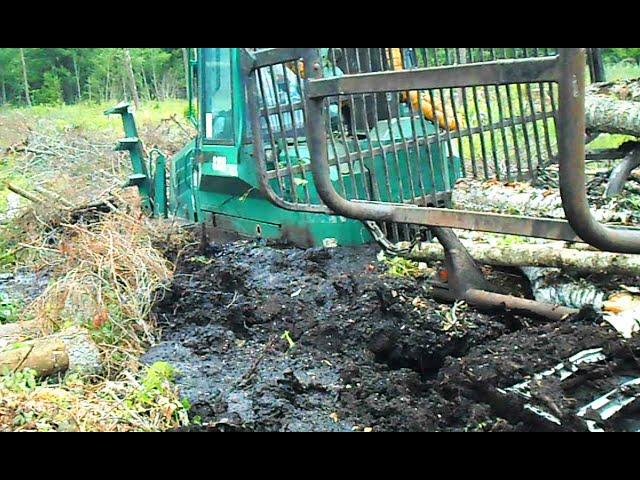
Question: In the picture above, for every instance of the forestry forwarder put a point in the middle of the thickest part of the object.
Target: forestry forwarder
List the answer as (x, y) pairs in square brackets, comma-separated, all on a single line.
[(353, 144)]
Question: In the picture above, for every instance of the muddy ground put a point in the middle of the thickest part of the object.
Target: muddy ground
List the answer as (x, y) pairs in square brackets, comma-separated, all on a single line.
[(272, 338)]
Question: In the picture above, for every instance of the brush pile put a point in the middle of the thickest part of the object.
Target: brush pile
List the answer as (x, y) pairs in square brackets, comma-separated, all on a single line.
[(90, 325), (71, 362)]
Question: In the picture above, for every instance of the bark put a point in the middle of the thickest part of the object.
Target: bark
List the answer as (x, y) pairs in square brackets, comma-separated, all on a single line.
[(185, 60), (549, 285), (608, 115), (552, 254), (147, 89), (125, 92), (131, 77), (4, 92), (621, 310), (620, 89), (154, 78), (107, 82), (70, 350), (77, 72), (25, 77)]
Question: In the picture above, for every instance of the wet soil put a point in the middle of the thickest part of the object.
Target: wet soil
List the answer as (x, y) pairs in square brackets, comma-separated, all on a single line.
[(272, 338)]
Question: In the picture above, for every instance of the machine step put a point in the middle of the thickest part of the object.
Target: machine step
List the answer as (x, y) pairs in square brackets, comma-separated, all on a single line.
[(120, 109), (127, 144), (136, 179)]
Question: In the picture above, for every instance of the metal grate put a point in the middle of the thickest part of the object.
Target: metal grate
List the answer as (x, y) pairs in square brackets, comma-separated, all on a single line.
[(384, 133)]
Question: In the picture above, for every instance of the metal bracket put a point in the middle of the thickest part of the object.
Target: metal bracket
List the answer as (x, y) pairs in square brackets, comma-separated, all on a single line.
[(466, 282)]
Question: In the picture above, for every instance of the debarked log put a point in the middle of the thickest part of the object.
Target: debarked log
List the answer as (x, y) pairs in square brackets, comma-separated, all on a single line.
[(10, 329)]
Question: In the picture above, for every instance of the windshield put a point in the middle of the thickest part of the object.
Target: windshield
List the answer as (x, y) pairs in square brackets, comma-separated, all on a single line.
[(217, 102), (280, 87)]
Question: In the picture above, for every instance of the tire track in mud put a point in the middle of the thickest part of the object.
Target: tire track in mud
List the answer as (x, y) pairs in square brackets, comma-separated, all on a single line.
[(277, 338)]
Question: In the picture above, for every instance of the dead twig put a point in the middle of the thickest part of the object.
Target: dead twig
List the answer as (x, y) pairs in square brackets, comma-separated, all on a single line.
[(244, 380)]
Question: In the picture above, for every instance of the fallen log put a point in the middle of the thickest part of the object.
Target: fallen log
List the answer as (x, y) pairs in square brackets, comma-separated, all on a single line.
[(521, 199), (71, 350), (608, 115), (621, 309), (552, 254), (10, 329), (621, 89)]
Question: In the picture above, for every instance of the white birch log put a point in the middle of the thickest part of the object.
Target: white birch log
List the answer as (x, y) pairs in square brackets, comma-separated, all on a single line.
[(551, 254), (609, 115)]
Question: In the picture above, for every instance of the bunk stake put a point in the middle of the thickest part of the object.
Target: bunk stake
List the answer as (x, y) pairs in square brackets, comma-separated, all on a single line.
[(466, 282)]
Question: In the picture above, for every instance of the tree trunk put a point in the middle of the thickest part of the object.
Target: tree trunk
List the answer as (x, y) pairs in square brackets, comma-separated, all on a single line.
[(25, 77), (147, 89), (620, 89), (4, 92), (125, 93), (154, 77), (77, 72), (608, 115), (10, 329), (520, 198), (131, 77), (107, 83), (185, 60)]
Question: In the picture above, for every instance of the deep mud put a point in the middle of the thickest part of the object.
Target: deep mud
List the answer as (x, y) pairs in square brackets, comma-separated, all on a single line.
[(284, 339)]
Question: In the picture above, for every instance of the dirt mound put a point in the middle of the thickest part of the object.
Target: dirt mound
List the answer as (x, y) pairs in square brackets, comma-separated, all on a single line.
[(276, 338)]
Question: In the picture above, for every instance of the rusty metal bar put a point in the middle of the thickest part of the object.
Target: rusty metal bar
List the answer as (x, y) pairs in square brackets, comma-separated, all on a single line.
[(491, 301), (499, 72), (573, 188), (274, 56), (466, 282), (411, 214), (253, 95)]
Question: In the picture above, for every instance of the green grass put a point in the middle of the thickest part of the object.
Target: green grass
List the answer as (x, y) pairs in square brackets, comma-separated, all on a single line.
[(9, 309), (622, 71), (87, 118), (90, 116)]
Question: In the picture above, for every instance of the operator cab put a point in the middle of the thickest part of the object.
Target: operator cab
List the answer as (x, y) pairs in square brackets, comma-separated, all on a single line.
[(216, 101), (220, 115)]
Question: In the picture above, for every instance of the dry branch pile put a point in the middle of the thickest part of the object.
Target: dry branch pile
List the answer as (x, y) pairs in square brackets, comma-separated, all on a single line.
[(72, 362), (106, 270)]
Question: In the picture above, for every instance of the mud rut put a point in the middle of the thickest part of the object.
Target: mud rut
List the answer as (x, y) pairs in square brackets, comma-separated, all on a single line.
[(369, 351)]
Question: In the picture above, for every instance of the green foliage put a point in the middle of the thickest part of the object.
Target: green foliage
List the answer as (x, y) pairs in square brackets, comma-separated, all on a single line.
[(287, 337), (19, 382), (154, 381), (614, 55), (400, 267), (50, 93), (156, 393), (9, 309), (71, 75)]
